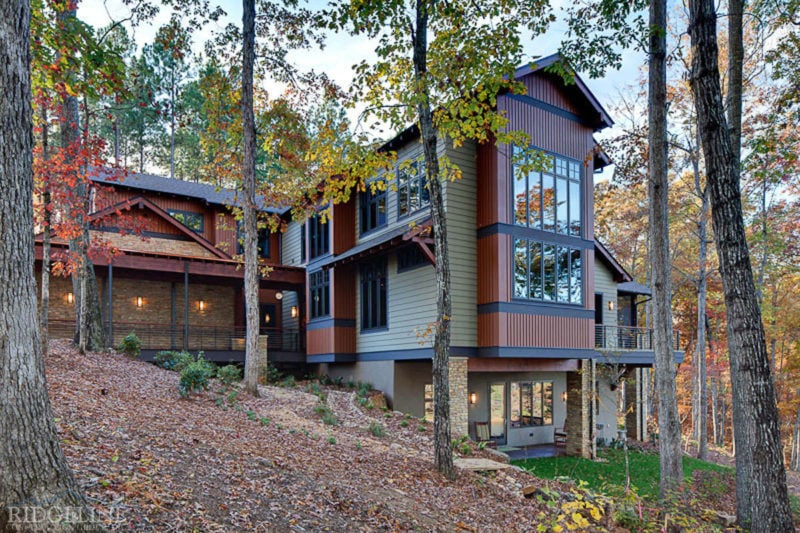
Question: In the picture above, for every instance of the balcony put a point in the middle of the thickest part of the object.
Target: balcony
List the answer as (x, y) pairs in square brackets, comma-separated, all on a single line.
[(627, 338)]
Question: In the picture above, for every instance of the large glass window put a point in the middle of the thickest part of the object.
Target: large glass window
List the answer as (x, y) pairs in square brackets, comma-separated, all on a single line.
[(373, 296), (549, 199), (318, 237), (190, 219), (319, 284), (412, 192), (373, 208), (547, 272), (531, 403)]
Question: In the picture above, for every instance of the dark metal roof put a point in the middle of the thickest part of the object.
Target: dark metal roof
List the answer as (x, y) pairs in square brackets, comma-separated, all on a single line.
[(176, 187), (631, 287), (395, 234)]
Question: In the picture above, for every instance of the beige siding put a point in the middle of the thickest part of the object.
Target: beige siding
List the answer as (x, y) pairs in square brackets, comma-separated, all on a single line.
[(460, 206), (604, 283), (379, 374), (290, 244), (411, 307)]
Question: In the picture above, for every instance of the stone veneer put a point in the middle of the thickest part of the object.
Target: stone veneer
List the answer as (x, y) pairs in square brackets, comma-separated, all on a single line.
[(578, 431), (631, 409), (459, 400)]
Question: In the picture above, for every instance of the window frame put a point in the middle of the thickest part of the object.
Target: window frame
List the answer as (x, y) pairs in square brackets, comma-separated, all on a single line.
[(549, 298), (366, 199), (539, 398), (319, 282), (561, 168), (186, 214), (419, 179), (319, 239), (264, 236), (374, 286), (406, 262)]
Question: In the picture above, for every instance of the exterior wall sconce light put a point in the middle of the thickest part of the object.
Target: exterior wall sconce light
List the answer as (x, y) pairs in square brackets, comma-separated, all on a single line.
[(139, 301), (611, 305), (294, 311), (564, 396), (279, 296), (201, 305), (267, 319), (473, 398), (70, 298)]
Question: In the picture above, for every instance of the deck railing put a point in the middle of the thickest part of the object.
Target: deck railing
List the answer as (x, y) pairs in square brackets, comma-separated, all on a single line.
[(627, 338), (206, 338)]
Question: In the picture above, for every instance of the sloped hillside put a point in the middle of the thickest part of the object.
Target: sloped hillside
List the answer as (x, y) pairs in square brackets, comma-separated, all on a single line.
[(151, 461)]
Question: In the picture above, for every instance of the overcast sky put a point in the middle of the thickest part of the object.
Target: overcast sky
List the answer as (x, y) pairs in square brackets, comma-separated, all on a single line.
[(342, 51)]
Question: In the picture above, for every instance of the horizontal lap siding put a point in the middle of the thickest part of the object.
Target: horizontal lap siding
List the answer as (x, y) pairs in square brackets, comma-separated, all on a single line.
[(411, 308), (604, 283), (460, 207), (517, 330), (290, 245)]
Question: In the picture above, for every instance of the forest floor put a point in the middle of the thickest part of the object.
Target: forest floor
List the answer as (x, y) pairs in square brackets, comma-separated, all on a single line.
[(150, 460)]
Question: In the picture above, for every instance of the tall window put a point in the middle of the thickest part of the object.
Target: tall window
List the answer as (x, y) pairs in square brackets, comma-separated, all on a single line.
[(547, 272), (531, 403), (373, 296), (412, 193), (373, 209), (190, 219), (262, 241), (319, 288), (410, 257), (318, 237), (549, 200)]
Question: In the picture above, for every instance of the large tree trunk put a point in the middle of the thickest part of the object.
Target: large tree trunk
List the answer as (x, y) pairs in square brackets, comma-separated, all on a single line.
[(762, 500), (669, 428), (34, 475), (249, 186), (443, 453)]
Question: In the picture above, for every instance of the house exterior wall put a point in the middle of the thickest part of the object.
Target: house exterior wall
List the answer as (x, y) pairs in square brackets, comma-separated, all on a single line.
[(379, 374), (604, 284), (291, 245)]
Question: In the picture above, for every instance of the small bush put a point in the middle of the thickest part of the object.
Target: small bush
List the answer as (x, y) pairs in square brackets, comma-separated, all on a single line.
[(326, 414), (331, 440), (229, 374), (264, 421), (269, 374), (131, 345), (251, 415), (288, 382), (421, 429), (377, 429), (195, 376)]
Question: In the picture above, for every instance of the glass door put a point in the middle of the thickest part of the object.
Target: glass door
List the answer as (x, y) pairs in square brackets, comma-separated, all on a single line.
[(497, 412)]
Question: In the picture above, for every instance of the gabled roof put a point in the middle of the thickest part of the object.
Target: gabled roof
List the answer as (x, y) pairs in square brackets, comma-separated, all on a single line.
[(143, 203), (188, 189), (577, 90), (619, 273)]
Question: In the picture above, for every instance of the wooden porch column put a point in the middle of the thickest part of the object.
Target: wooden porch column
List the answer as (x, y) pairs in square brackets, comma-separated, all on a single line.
[(185, 306), (110, 302)]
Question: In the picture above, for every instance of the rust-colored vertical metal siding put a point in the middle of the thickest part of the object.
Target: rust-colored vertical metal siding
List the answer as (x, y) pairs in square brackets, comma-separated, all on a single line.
[(487, 193), (342, 226), (541, 86), (494, 269), (343, 292), (518, 330)]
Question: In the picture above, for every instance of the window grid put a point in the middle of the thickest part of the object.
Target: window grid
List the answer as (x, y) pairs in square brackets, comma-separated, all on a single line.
[(319, 291), (373, 208), (412, 190), (531, 403), (373, 296), (318, 237), (192, 220), (262, 240), (550, 199), (547, 272)]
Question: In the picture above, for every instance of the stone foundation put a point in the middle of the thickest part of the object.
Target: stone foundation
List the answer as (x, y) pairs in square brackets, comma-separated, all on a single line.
[(459, 400)]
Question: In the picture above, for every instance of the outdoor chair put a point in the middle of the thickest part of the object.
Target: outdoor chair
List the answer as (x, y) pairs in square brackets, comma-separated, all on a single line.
[(560, 435), (482, 434)]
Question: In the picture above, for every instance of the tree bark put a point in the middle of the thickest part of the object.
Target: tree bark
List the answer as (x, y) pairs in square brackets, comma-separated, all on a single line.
[(44, 305), (249, 208), (669, 428), (701, 411), (34, 473), (762, 500), (443, 453)]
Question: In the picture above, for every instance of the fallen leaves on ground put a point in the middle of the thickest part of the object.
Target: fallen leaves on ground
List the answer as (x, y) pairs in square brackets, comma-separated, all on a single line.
[(151, 461)]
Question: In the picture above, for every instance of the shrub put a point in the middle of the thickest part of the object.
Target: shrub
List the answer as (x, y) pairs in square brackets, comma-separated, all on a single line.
[(404, 423), (131, 345), (264, 421), (327, 415), (331, 440), (195, 376), (269, 374), (229, 374), (289, 382), (377, 429)]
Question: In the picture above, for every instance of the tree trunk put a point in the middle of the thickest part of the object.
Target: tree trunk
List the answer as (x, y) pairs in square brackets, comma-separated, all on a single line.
[(669, 428), (88, 319), (762, 500), (443, 453), (249, 208), (172, 126), (34, 474), (44, 305), (701, 414)]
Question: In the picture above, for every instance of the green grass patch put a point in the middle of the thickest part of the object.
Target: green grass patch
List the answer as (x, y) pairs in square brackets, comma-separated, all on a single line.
[(609, 477)]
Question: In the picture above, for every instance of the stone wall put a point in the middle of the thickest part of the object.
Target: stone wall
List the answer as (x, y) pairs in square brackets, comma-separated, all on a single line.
[(573, 422), (631, 407), (459, 401)]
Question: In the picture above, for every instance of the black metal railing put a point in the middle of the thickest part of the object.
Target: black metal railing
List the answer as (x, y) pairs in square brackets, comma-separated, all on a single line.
[(193, 338), (627, 338)]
